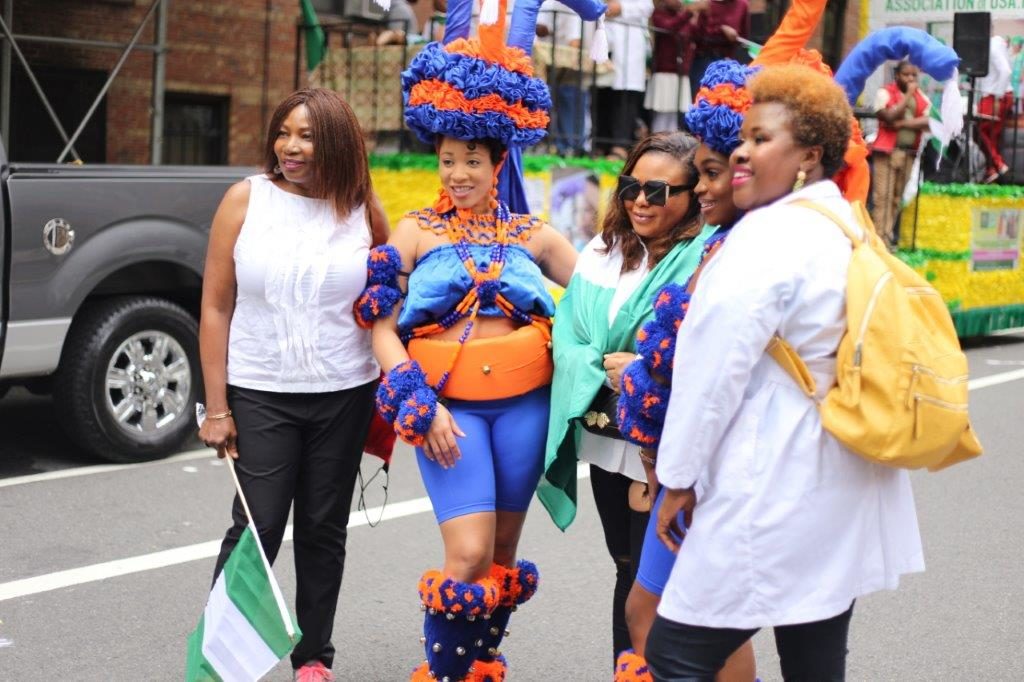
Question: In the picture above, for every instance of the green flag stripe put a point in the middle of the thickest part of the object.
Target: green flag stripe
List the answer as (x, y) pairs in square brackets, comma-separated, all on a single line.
[(197, 669), (248, 587)]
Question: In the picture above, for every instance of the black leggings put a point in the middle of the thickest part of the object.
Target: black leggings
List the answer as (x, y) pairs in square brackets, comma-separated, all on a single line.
[(808, 652), (624, 535), (306, 448)]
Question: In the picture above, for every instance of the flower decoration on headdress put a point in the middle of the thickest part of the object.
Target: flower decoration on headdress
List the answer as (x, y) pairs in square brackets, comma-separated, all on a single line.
[(721, 102)]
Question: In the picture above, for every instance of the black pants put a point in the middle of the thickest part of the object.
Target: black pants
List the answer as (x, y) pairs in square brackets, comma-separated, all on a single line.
[(306, 448), (624, 535), (808, 652)]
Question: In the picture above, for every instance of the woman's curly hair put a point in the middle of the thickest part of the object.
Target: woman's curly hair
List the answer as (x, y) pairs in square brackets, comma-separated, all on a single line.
[(617, 230), (819, 112)]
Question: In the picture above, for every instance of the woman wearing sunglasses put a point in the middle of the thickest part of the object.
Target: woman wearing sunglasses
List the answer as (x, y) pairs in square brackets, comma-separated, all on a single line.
[(651, 235)]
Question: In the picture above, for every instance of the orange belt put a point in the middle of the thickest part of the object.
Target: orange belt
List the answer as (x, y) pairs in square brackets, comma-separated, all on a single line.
[(488, 369)]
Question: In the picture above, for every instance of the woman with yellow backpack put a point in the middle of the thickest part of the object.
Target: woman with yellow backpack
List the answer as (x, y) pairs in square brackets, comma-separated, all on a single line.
[(786, 527)]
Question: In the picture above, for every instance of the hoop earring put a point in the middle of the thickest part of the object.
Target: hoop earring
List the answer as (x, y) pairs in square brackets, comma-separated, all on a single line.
[(277, 169), (801, 177)]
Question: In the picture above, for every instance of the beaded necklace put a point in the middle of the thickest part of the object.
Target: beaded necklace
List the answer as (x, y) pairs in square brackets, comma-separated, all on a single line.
[(463, 228)]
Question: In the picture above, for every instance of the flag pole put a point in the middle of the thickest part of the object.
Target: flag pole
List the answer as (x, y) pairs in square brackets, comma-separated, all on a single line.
[(274, 587), (241, 495)]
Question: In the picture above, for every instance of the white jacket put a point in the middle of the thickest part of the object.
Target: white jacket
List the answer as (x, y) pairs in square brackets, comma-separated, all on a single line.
[(790, 526)]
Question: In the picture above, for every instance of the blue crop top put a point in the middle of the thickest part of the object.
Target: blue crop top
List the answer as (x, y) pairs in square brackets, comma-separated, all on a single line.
[(440, 281)]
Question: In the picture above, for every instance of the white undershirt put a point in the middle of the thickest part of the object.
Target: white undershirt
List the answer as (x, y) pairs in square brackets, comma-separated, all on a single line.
[(616, 456), (298, 269)]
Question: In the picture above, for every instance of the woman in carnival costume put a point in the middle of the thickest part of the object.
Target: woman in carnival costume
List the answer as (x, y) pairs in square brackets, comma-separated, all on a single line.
[(461, 326), (651, 235), (715, 119)]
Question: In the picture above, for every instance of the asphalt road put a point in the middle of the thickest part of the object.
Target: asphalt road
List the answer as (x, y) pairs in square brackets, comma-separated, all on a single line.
[(105, 570)]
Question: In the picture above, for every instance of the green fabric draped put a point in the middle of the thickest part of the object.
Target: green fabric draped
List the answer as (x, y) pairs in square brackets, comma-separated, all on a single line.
[(580, 339)]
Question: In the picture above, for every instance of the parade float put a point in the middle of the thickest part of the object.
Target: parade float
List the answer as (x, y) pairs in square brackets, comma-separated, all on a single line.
[(965, 238)]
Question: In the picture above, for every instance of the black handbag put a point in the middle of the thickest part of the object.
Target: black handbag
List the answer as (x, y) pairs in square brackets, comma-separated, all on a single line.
[(602, 417)]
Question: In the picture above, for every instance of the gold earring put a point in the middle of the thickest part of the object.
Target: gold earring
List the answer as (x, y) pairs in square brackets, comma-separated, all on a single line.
[(801, 177)]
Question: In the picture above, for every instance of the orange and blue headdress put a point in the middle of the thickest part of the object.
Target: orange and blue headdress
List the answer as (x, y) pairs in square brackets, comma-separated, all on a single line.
[(722, 100), (483, 87)]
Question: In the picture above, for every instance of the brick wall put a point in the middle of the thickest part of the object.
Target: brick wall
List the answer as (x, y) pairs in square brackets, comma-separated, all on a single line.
[(214, 47)]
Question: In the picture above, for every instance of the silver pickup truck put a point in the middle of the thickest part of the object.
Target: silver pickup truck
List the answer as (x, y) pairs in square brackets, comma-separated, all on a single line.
[(99, 297)]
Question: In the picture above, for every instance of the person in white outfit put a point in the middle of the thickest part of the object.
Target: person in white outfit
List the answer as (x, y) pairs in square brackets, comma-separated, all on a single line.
[(619, 104), (289, 376), (785, 526)]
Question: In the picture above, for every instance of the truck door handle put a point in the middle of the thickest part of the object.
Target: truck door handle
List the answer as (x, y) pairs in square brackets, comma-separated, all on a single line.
[(58, 237)]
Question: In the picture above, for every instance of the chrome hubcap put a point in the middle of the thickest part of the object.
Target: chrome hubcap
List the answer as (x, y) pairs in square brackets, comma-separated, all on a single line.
[(148, 383)]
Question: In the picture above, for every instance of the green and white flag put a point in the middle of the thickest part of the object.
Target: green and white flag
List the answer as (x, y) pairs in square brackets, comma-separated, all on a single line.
[(245, 630)]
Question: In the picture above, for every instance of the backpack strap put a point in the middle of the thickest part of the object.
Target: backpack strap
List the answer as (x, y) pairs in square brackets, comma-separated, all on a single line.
[(789, 360), (828, 213), (778, 348)]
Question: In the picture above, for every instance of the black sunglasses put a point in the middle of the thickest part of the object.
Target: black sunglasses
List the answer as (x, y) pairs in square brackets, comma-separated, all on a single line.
[(656, 192)]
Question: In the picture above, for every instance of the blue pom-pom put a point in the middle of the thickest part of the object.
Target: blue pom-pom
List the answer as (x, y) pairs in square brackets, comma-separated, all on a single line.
[(637, 429), (415, 415), (670, 305), (383, 265), (726, 71), (397, 385), (487, 291), (375, 302), (470, 598), (528, 578), (717, 125)]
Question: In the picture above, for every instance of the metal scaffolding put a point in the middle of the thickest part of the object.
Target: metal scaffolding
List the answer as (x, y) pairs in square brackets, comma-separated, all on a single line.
[(9, 47)]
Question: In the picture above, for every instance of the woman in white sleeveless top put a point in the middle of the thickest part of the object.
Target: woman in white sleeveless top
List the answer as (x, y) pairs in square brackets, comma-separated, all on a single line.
[(289, 376)]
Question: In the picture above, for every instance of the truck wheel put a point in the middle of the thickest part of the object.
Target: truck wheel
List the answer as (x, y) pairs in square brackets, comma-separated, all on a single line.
[(129, 378)]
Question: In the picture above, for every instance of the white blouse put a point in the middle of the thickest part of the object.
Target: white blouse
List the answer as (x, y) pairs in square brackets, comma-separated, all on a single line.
[(789, 526), (299, 270), (611, 454)]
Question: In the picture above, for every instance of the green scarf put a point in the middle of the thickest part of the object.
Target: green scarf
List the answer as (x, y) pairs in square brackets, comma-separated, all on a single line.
[(580, 339)]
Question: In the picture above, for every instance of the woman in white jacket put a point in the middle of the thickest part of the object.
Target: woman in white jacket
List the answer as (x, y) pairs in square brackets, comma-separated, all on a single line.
[(786, 527)]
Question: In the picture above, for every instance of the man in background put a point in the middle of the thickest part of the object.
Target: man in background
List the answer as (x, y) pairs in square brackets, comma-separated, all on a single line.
[(902, 113)]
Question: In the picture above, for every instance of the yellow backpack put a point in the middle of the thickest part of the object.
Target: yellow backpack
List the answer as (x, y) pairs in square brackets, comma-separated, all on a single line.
[(900, 397)]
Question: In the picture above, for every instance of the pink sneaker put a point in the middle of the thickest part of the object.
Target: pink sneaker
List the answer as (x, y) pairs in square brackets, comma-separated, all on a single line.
[(314, 671)]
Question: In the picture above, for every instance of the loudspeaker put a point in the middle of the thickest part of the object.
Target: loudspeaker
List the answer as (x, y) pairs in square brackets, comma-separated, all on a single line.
[(971, 34)]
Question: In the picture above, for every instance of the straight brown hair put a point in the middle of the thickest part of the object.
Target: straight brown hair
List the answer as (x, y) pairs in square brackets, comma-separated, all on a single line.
[(341, 172)]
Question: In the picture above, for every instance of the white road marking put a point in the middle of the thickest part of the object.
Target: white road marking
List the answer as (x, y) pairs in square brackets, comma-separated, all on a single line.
[(1004, 362), (146, 562), (995, 379), (180, 555), (102, 468)]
